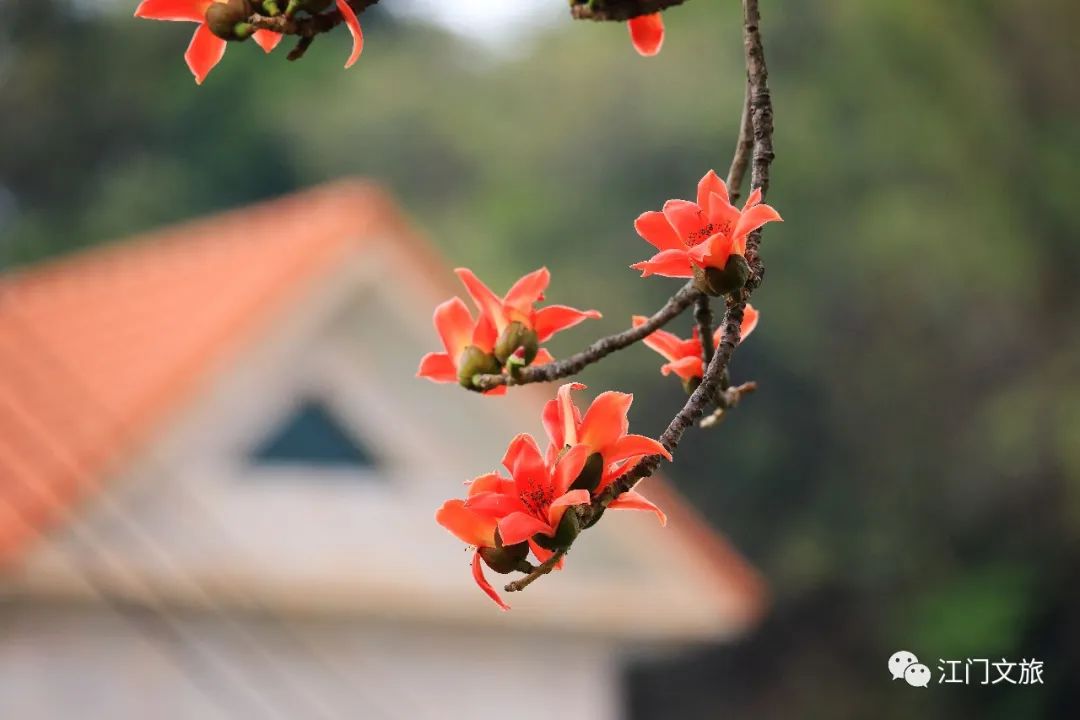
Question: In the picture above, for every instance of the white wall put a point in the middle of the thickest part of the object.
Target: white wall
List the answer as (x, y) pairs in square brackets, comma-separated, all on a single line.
[(65, 662)]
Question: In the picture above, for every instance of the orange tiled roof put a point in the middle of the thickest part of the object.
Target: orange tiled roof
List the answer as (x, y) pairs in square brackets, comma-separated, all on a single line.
[(98, 348)]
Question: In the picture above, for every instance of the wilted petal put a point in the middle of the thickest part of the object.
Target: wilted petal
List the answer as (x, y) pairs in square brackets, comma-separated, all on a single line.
[(204, 52)]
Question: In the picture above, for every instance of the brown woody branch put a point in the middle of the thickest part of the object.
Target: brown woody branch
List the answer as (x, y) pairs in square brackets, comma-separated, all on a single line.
[(618, 10), (603, 347), (744, 146), (306, 27), (703, 318), (542, 569), (711, 387)]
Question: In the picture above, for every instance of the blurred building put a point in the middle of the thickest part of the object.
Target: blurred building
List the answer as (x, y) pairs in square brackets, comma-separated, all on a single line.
[(217, 481)]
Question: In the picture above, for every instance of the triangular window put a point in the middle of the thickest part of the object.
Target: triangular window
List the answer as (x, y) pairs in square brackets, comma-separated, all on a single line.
[(311, 435)]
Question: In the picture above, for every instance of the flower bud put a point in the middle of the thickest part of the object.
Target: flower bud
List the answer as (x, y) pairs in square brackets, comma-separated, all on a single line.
[(691, 384), (717, 282), (228, 19), (589, 477), (474, 361), (568, 530), (516, 336), (505, 559)]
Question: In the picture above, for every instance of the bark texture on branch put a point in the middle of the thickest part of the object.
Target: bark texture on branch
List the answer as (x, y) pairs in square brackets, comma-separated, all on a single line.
[(603, 347), (618, 10)]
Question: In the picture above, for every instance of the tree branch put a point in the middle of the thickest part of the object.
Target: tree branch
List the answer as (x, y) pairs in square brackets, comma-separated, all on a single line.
[(709, 389), (600, 349), (703, 318), (618, 10), (307, 26), (743, 147), (542, 569)]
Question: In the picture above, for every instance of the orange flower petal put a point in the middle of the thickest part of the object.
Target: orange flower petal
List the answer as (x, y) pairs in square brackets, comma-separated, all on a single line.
[(559, 506), (561, 417), (525, 463), (491, 482), (478, 576), (470, 527), (749, 321), (688, 367), (267, 39), (454, 324), (647, 34), (567, 468), (543, 357), (754, 218), (519, 527), (668, 263), (636, 501), (438, 367), (487, 301), (654, 228), (204, 52), (663, 342), (605, 421), (528, 290), (354, 29), (630, 446), (687, 218), (710, 185), (555, 318), (179, 10), (495, 504)]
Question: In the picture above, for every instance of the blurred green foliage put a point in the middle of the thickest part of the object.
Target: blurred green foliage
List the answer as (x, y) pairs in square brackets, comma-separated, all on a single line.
[(909, 474)]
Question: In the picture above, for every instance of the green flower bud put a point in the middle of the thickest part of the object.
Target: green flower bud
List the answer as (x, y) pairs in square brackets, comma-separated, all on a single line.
[(589, 477), (228, 20), (270, 7), (568, 530), (716, 282), (505, 559), (514, 337), (474, 361)]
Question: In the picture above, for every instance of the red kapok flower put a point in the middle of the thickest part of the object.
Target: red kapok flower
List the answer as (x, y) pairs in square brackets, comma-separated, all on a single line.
[(704, 234), (206, 48), (647, 33), (535, 501), (479, 530), (603, 430), (684, 357), (508, 331)]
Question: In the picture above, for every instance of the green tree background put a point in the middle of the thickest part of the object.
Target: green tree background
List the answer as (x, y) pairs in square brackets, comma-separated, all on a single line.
[(909, 474)]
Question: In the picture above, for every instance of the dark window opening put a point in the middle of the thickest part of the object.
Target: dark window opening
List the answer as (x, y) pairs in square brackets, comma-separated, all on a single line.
[(311, 435)]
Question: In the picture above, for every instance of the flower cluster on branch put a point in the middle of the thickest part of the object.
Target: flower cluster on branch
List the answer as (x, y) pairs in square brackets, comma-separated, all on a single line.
[(592, 462)]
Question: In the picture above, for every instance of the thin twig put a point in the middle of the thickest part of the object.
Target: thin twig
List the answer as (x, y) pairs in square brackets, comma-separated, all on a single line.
[(542, 569), (618, 10), (601, 348), (743, 148), (728, 399)]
